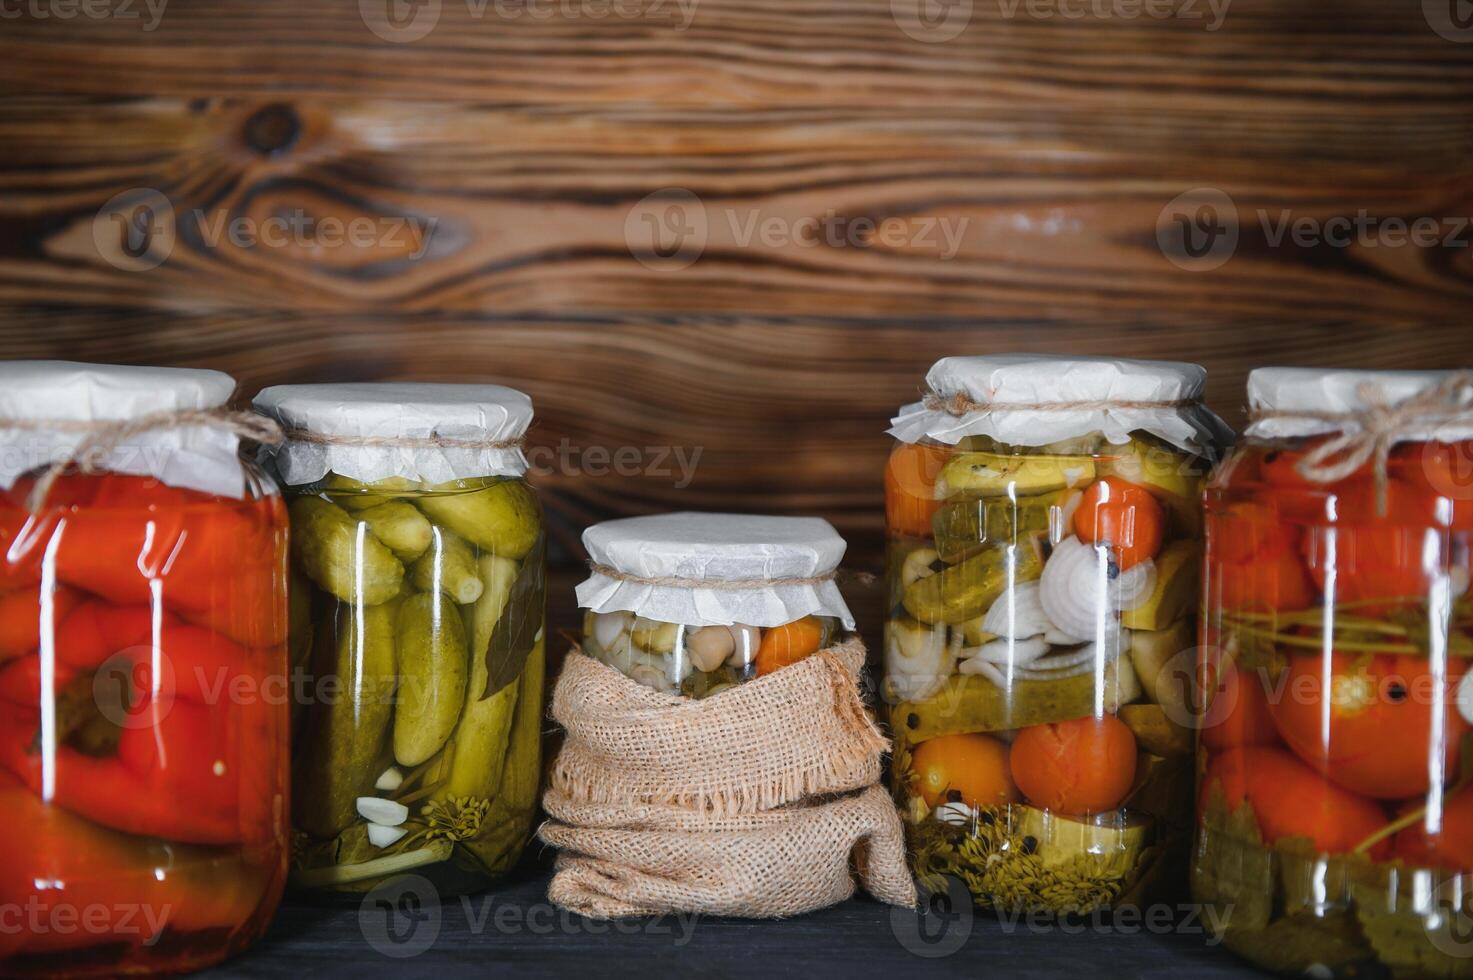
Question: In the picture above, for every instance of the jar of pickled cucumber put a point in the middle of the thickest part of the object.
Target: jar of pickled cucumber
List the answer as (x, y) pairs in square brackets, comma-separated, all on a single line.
[(143, 620), (695, 603), (417, 579), (1043, 522), (1335, 806)]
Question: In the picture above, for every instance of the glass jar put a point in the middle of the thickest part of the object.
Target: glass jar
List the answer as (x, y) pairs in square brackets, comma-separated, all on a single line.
[(693, 604), (419, 609), (143, 712), (1043, 578), (700, 660), (1335, 815)]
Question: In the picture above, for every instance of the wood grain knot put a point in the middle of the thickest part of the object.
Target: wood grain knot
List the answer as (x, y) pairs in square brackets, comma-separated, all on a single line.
[(272, 130)]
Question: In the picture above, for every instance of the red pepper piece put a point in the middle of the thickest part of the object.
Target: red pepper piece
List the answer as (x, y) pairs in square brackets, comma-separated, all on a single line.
[(133, 887), (20, 619), (197, 758)]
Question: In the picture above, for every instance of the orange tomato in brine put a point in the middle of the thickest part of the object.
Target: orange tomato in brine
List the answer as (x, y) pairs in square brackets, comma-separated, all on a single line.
[(971, 769), (1238, 713), (1123, 515), (1289, 800), (1085, 765), (1371, 731), (910, 487), (1451, 847), (788, 644)]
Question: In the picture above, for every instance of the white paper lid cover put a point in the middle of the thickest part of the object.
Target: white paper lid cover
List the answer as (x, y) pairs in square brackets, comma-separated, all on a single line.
[(397, 410), (1281, 389), (716, 548), (196, 457), (1048, 379)]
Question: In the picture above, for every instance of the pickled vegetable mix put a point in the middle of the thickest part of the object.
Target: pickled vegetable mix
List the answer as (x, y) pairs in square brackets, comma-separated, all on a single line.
[(143, 716), (1335, 807), (1044, 520), (695, 603), (418, 590)]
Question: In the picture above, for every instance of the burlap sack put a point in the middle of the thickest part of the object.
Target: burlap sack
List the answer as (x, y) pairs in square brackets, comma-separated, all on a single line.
[(647, 860), (760, 745), (749, 803)]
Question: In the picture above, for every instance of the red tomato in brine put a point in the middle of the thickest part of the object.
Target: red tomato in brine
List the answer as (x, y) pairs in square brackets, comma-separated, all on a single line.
[(1371, 730)]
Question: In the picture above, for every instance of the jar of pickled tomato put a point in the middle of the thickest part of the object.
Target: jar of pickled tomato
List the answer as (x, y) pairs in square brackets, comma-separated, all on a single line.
[(143, 703), (418, 592), (1043, 521), (695, 603), (1336, 815)]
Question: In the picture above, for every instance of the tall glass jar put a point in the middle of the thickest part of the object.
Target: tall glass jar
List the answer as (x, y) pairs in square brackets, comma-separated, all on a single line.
[(418, 602), (1336, 819), (695, 603), (1044, 519), (143, 716)]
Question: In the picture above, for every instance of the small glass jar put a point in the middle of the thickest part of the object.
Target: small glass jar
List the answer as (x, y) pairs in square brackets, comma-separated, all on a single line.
[(1044, 520), (694, 604), (418, 602), (1336, 819), (143, 717)]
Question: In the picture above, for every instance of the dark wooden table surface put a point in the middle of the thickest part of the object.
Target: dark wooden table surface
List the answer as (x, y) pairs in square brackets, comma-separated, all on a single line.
[(513, 929)]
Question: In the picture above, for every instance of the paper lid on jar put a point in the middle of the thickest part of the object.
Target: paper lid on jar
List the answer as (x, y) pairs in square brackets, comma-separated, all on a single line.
[(715, 569), (1276, 394), (193, 457), (1038, 399), (446, 431)]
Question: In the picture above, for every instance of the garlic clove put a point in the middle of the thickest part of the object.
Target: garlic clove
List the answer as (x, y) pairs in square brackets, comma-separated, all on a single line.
[(955, 814), (381, 811), (918, 659), (389, 780), (917, 565), (381, 836), (608, 628)]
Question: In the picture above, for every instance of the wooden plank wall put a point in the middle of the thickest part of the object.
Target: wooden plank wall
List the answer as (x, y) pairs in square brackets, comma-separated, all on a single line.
[(808, 160)]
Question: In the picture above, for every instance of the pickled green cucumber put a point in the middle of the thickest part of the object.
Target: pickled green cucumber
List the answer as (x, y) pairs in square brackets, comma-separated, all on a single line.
[(961, 592), (401, 526), (448, 565), (353, 495), (510, 818), (346, 738), (479, 745), (966, 526), (433, 669), (998, 474), (972, 703), (340, 555), (502, 518)]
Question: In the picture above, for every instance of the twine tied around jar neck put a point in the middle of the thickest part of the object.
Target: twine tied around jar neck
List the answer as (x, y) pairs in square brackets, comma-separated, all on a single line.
[(1370, 433), (102, 436), (960, 404), (734, 584), (401, 442)]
